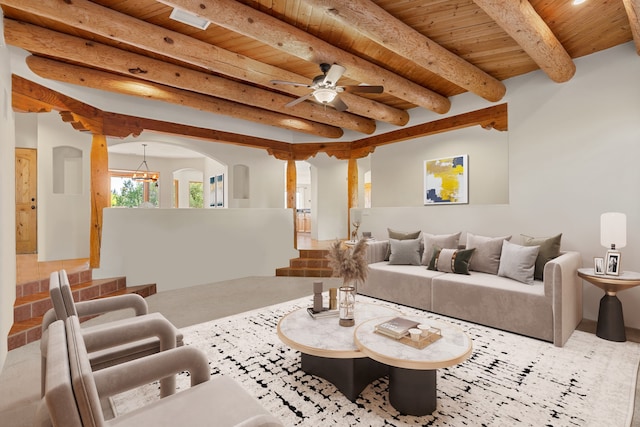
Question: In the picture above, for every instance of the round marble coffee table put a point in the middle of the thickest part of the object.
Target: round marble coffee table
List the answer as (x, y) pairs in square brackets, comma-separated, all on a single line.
[(412, 371), (328, 350)]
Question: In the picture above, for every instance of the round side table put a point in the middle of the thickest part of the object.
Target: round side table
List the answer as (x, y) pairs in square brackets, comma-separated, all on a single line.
[(610, 318)]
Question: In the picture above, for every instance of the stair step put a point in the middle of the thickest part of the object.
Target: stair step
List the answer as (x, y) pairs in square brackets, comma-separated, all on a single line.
[(304, 272), (28, 329), (309, 263)]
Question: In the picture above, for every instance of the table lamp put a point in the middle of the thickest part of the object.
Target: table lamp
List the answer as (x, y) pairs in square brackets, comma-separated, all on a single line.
[(613, 235)]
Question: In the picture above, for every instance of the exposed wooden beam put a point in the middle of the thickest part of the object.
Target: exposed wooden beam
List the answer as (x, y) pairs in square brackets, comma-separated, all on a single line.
[(100, 195), (380, 26), (69, 48), (494, 117), (101, 80), (520, 20), (352, 191), (120, 125), (33, 97), (91, 17), (280, 35), (633, 12)]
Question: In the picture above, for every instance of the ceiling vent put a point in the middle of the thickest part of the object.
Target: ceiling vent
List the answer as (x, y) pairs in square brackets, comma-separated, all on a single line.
[(189, 19)]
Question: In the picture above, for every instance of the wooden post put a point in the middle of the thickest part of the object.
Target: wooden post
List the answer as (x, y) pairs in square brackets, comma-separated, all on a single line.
[(291, 197), (352, 191), (100, 195)]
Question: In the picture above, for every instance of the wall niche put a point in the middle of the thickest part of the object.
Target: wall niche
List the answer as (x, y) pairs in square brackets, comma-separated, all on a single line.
[(67, 170)]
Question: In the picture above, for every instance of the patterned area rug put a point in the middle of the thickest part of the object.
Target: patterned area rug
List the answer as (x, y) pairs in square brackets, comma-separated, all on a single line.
[(509, 380)]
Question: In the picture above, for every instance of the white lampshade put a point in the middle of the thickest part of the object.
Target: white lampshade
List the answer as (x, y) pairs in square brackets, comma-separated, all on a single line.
[(324, 96), (613, 230)]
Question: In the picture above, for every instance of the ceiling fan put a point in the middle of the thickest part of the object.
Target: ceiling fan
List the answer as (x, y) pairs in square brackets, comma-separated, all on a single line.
[(325, 90)]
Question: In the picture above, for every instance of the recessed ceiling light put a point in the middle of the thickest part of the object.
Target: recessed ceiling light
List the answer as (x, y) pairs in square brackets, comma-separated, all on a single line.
[(577, 2), (189, 19)]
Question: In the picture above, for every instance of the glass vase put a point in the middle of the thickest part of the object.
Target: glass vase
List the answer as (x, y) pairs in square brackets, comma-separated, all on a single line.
[(347, 302)]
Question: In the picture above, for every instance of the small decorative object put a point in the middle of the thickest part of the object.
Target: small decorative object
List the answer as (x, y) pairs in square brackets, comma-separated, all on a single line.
[(333, 298), (347, 305), (409, 332), (613, 263), (598, 265), (415, 334), (317, 297), (354, 233), (366, 234), (613, 235), (351, 265)]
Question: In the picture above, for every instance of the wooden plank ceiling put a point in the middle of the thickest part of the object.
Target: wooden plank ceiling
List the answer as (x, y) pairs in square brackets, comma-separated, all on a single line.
[(422, 51)]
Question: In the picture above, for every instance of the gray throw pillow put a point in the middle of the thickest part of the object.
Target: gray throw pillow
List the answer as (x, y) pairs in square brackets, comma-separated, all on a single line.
[(442, 241), (518, 262), (486, 258), (400, 235), (404, 252), (549, 249)]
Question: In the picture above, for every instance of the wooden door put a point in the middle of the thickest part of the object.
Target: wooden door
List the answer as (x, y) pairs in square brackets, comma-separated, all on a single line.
[(26, 201)]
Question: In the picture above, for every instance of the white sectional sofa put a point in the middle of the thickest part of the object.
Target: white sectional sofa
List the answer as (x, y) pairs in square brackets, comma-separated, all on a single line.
[(548, 309)]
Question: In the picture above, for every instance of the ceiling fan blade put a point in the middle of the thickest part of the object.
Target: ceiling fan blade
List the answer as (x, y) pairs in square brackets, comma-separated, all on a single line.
[(282, 82), (364, 89), (338, 104), (299, 100), (333, 75)]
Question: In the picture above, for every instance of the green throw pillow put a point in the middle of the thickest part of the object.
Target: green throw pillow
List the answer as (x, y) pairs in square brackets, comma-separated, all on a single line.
[(549, 249), (451, 260)]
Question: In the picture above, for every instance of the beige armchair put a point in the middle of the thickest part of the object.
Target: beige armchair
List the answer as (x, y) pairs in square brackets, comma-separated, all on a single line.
[(74, 390), (105, 352)]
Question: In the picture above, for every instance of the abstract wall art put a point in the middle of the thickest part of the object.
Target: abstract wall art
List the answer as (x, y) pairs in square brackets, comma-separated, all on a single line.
[(446, 180)]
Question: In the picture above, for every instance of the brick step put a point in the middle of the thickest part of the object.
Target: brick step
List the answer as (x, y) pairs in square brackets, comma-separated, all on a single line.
[(28, 329), (310, 263), (304, 272)]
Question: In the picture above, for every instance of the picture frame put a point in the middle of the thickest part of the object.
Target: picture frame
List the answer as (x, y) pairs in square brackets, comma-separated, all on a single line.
[(598, 265), (446, 180), (613, 263)]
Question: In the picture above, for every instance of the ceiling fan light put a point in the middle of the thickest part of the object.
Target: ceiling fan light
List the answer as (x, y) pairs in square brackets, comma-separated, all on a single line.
[(324, 96)]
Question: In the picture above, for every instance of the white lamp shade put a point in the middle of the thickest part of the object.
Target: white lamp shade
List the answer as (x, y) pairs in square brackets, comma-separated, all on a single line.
[(613, 229), (324, 96)]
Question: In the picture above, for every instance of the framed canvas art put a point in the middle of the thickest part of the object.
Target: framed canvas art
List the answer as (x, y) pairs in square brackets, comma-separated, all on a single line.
[(212, 191), (446, 180), (220, 191)]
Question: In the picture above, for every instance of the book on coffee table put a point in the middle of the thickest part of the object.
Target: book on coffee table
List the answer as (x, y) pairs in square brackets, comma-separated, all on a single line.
[(321, 314), (396, 327)]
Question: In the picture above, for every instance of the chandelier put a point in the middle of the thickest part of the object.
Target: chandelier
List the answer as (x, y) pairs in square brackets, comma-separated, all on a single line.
[(143, 175)]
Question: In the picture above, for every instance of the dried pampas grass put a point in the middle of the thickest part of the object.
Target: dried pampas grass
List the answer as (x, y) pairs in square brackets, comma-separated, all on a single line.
[(349, 263)]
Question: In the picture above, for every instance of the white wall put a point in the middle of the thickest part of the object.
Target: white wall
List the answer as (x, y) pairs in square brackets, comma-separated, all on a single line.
[(64, 220), (7, 201), (176, 248), (329, 198), (573, 151)]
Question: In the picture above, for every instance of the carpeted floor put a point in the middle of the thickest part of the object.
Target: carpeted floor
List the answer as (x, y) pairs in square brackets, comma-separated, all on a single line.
[(509, 380)]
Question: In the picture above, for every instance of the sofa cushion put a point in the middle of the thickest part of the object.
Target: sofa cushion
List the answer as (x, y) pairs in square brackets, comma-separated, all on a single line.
[(486, 258), (549, 249), (494, 301), (402, 284), (451, 260), (401, 235), (404, 252), (443, 241), (518, 262)]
